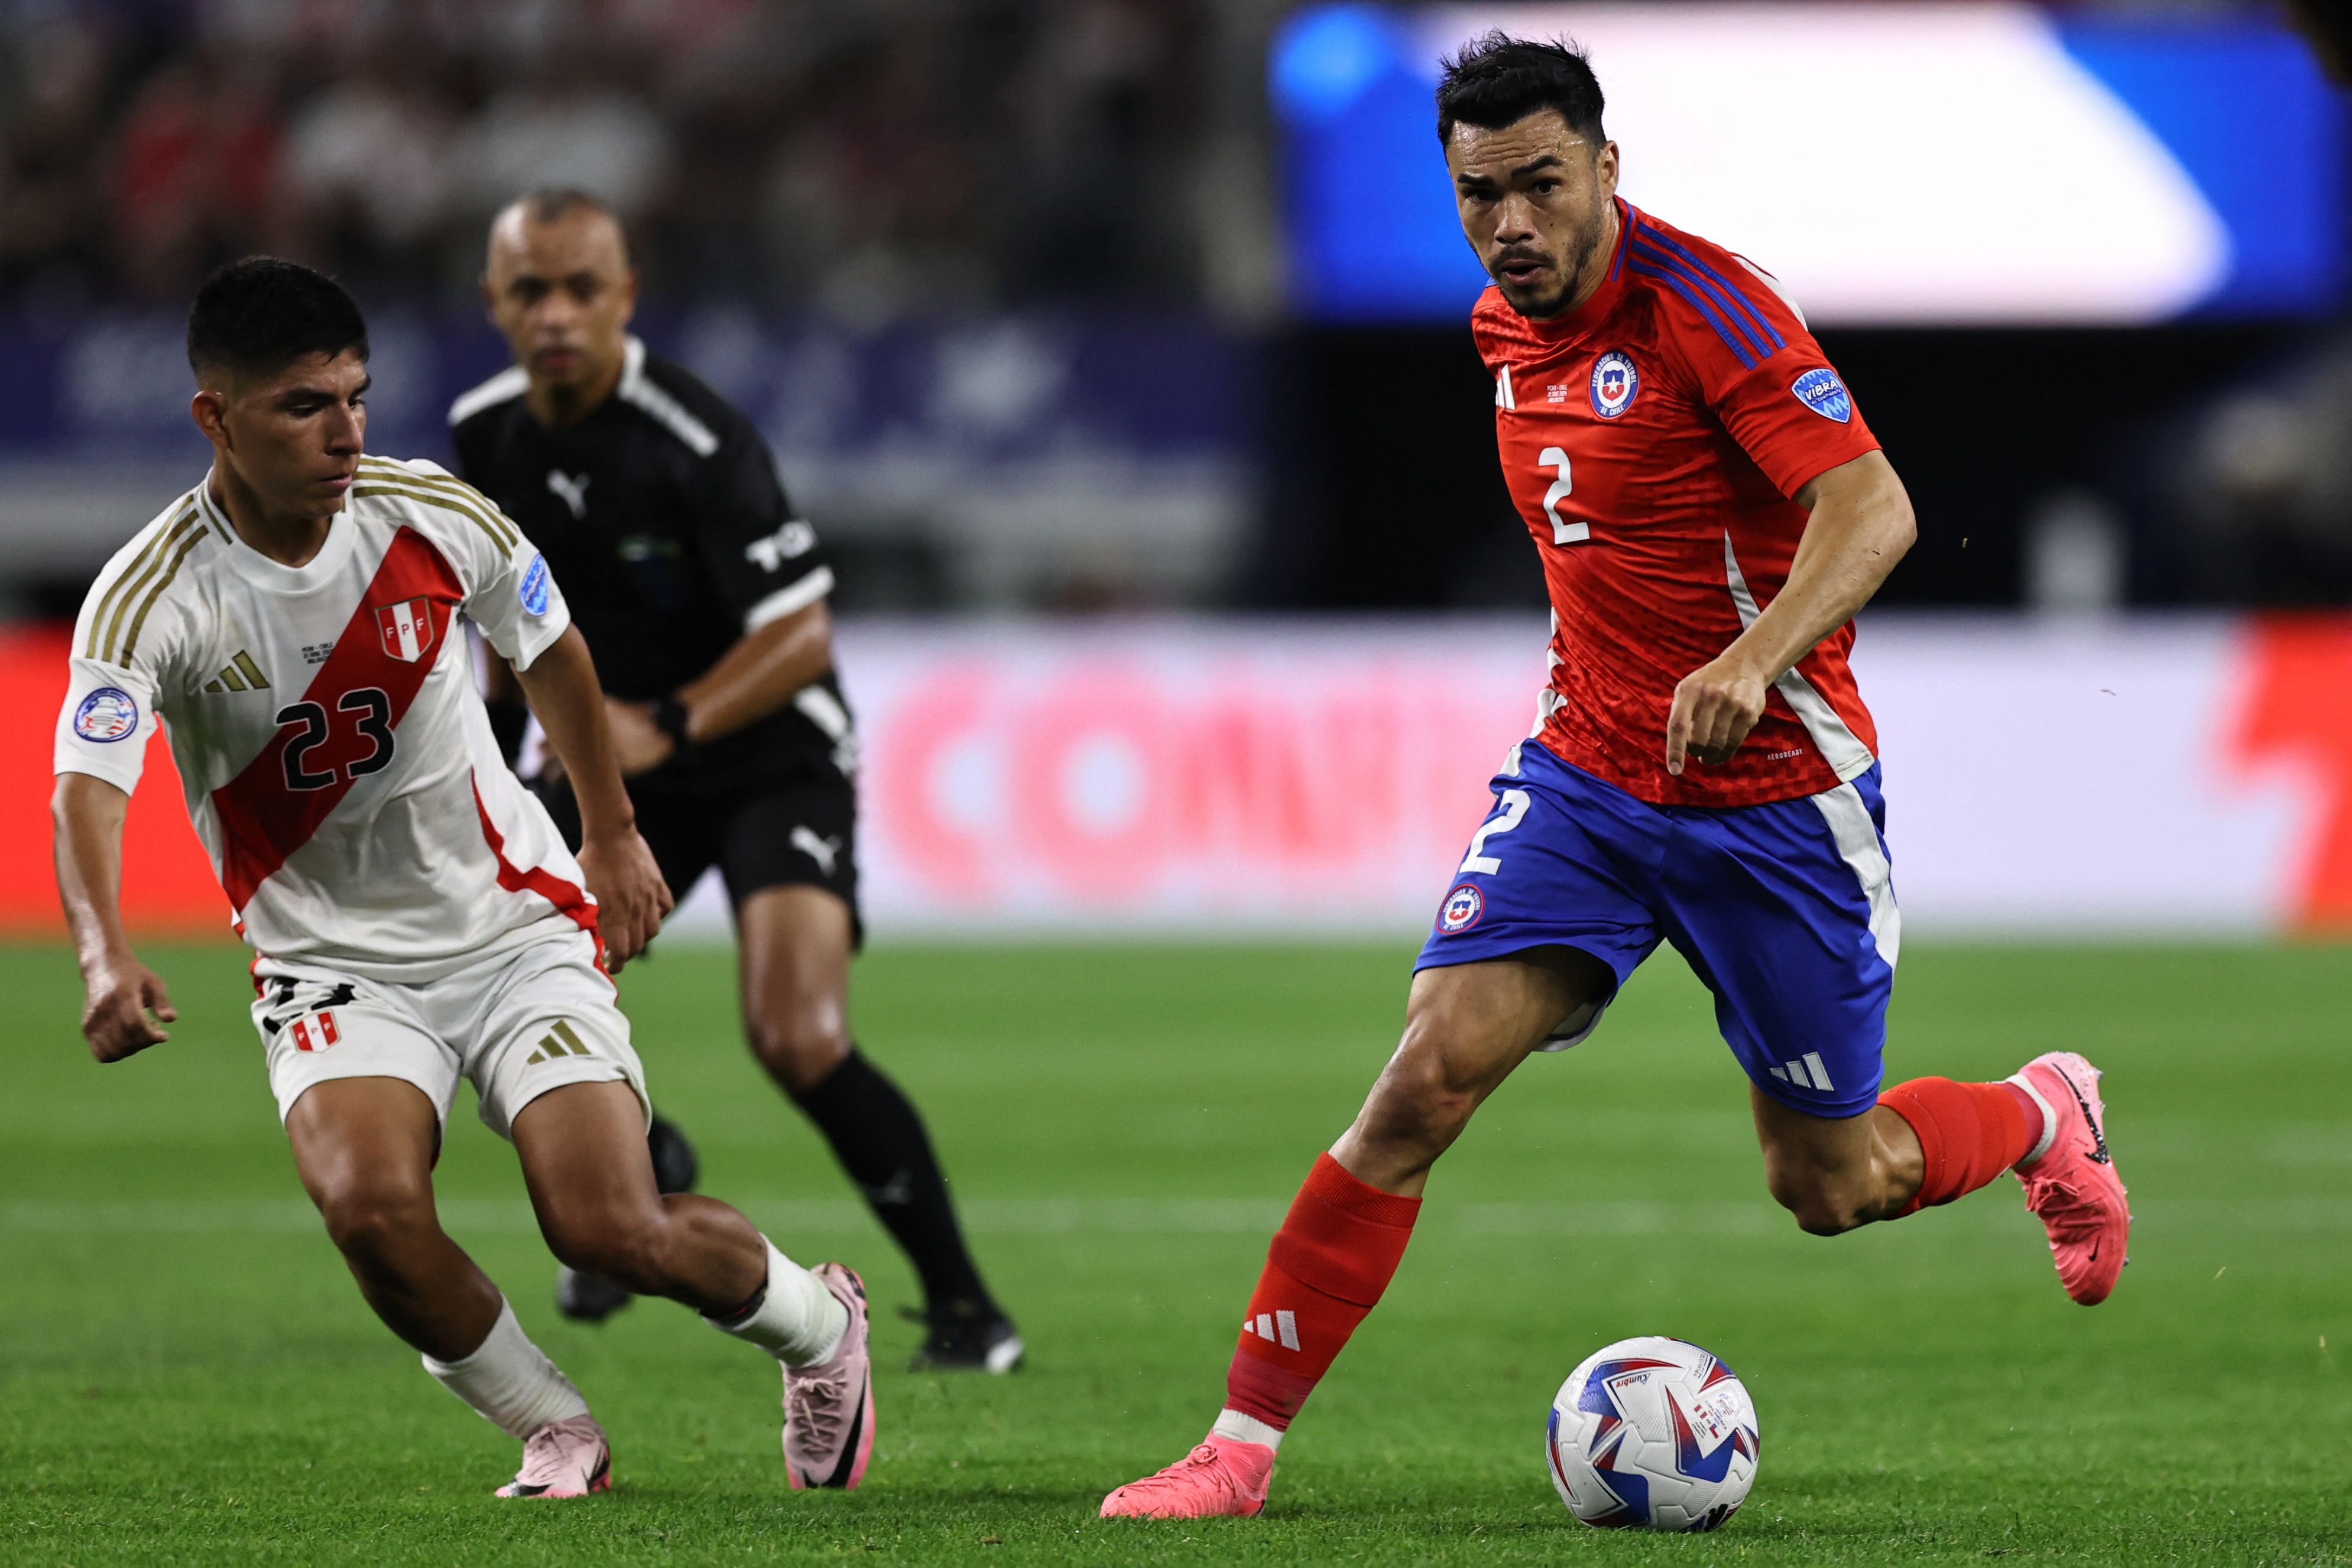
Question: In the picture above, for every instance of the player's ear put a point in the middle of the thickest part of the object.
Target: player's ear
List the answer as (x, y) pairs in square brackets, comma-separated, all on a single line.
[(1604, 168), (628, 296), (209, 409)]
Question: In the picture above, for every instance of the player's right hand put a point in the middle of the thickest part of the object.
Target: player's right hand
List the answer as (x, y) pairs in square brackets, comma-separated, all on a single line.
[(127, 1009), (631, 896)]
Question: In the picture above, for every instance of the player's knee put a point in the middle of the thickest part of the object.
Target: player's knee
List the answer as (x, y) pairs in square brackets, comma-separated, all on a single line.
[(1428, 1089), (1821, 1205), (623, 1243), (370, 1221), (798, 1049)]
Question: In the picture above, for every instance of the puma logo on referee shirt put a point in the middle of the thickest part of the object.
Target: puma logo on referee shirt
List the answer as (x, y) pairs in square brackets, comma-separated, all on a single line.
[(574, 492)]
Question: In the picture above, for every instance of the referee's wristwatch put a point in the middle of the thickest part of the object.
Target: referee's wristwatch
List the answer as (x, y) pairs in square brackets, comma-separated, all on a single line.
[(670, 718)]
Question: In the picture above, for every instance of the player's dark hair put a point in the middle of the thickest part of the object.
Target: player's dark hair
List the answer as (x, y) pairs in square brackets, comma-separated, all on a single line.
[(1499, 80), (258, 316)]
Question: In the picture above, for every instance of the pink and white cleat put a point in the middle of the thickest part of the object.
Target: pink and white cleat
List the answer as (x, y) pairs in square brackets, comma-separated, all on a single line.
[(829, 1407), (2072, 1184), (563, 1458), (1223, 1476)]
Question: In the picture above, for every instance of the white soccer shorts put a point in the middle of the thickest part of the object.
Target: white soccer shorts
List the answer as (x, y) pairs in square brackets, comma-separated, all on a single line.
[(517, 1025)]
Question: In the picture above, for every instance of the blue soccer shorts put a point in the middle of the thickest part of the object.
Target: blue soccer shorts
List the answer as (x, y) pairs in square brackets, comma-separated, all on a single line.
[(1786, 911)]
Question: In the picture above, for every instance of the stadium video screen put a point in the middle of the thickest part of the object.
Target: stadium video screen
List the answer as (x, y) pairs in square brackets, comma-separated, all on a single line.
[(1950, 164)]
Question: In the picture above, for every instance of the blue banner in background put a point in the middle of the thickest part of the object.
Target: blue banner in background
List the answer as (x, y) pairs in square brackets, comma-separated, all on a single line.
[(1969, 164)]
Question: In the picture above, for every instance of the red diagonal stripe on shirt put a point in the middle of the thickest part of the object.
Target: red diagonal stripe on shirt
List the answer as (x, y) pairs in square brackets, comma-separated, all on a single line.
[(569, 899), (263, 818)]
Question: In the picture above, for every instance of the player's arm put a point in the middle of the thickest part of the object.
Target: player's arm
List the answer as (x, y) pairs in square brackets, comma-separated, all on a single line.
[(631, 896), (1860, 525), (770, 568), (125, 1004), (751, 680)]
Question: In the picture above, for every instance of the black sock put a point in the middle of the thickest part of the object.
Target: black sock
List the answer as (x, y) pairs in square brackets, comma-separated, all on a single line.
[(879, 1140)]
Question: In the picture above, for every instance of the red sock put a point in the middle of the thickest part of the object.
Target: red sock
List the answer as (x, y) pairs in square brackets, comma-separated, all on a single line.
[(1969, 1133), (1328, 1264)]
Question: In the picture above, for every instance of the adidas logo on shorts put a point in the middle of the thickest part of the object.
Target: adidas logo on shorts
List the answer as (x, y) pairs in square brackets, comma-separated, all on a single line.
[(1805, 1072)]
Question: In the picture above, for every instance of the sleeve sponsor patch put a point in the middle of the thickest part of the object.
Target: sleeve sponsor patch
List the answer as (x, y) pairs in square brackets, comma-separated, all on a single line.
[(108, 714), (533, 590), (1821, 391)]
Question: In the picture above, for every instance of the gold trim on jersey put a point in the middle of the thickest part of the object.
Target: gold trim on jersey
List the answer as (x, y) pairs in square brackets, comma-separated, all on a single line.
[(130, 640), (440, 502), (461, 497), (244, 661), (119, 591)]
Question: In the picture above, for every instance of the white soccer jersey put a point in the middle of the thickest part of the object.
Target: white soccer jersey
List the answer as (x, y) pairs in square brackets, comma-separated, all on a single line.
[(337, 761)]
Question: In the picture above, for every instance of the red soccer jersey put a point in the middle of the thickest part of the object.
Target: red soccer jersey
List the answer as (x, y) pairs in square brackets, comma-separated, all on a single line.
[(1652, 438)]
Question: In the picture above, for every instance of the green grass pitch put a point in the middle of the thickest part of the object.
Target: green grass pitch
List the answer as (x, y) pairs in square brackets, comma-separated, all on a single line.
[(187, 1375)]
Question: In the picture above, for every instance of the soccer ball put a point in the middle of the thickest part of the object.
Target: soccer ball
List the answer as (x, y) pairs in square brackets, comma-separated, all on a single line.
[(1653, 1434)]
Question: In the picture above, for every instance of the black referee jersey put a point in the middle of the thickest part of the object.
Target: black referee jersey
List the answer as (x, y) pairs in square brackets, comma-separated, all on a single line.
[(666, 527)]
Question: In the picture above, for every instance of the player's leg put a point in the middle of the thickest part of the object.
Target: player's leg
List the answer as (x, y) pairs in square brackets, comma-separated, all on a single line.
[(1529, 946), (364, 1148), (684, 847), (1787, 911), (555, 1071), (1467, 1028), (592, 1184), (790, 859)]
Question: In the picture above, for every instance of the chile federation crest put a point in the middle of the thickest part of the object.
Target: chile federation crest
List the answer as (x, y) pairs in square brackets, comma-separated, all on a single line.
[(1614, 382)]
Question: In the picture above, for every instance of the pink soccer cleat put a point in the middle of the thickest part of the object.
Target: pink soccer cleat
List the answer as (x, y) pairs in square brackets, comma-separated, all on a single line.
[(1223, 1476), (829, 1407), (2072, 1184), (563, 1458)]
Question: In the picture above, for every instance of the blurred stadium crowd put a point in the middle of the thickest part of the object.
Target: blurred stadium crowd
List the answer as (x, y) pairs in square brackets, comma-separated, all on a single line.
[(1003, 281), (863, 158)]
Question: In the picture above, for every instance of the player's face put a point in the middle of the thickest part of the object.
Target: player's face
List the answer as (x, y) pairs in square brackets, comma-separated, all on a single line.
[(294, 438), (562, 293), (1534, 199)]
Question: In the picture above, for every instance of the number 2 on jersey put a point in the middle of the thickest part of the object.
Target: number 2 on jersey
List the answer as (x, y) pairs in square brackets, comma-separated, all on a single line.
[(1478, 862), (1562, 533)]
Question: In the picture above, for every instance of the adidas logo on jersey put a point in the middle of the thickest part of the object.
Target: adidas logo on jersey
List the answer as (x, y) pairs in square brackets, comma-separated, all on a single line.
[(558, 1041), (1806, 1072), (1280, 1328), (239, 675)]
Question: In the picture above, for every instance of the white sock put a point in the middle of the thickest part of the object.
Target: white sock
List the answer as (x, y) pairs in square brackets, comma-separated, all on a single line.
[(1234, 1425), (509, 1380), (2049, 1123), (798, 1320)]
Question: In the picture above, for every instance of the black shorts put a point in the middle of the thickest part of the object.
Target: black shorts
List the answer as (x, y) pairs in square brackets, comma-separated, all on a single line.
[(801, 831)]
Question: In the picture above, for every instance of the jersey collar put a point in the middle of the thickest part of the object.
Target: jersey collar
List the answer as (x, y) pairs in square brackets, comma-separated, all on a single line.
[(276, 577), (1595, 310)]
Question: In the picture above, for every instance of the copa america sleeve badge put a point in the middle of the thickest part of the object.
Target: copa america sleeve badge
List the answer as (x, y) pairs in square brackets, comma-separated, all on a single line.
[(108, 714)]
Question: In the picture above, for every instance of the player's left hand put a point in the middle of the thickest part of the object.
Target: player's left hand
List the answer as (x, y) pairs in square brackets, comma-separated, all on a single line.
[(631, 896), (1715, 707), (638, 744)]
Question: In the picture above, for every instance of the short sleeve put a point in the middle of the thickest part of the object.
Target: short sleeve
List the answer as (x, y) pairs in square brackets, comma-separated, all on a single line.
[(510, 593), (767, 563), (109, 714), (1757, 365)]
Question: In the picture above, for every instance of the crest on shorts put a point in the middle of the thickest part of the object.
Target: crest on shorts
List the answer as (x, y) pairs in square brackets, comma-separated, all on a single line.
[(1614, 382), (1461, 909), (1821, 391), (109, 713), (407, 628)]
